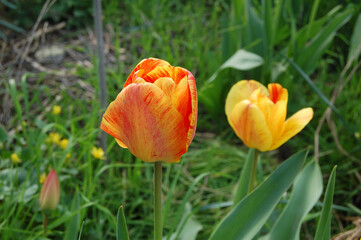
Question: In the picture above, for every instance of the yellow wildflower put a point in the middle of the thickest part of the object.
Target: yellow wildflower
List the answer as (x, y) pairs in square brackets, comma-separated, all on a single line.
[(42, 178), (54, 138), (98, 153), (15, 158), (64, 143), (68, 156), (56, 110)]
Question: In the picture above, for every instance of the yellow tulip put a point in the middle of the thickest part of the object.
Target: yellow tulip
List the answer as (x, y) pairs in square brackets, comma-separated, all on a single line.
[(258, 115)]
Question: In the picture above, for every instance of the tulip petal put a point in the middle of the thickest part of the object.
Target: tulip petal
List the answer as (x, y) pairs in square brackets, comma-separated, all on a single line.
[(175, 73), (194, 111), (143, 68), (167, 85), (143, 119), (292, 126), (277, 92), (249, 123), (274, 108), (240, 91)]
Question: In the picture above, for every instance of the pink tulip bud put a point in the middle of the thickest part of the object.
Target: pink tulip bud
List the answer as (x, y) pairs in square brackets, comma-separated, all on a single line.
[(50, 192)]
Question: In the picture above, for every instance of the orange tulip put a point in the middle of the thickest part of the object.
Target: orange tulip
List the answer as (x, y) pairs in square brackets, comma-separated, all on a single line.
[(155, 114), (258, 115), (50, 192)]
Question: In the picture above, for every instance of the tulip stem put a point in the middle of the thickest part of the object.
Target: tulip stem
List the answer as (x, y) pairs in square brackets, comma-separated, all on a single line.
[(254, 170), (45, 223), (158, 228)]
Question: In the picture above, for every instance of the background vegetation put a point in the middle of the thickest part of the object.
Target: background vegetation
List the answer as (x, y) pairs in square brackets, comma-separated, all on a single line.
[(310, 47)]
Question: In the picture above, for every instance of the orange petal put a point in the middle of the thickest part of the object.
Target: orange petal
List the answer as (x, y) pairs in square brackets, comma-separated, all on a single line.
[(292, 126), (240, 91), (277, 92), (144, 67), (143, 119), (175, 73), (249, 123), (194, 107)]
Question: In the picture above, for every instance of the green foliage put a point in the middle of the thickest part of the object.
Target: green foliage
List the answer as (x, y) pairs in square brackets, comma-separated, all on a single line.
[(306, 192), (122, 230), (249, 215), (324, 224), (221, 43)]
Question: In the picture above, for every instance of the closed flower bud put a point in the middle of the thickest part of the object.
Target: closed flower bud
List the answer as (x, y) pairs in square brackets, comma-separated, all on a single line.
[(50, 192)]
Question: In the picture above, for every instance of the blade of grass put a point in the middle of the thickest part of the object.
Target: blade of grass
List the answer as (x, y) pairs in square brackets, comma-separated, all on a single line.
[(322, 96)]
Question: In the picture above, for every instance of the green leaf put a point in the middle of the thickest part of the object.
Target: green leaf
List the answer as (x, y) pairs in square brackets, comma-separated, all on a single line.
[(122, 230), (211, 92), (324, 224), (241, 60), (188, 228), (72, 227), (355, 45), (247, 218), (306, 191), (244, 180), (309, 56), (182, 206)]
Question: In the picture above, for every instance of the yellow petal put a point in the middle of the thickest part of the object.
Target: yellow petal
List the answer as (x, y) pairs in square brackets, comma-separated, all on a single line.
[(120, 143), (249, 123), (143, 119), (167, 85), (241, 91), (292, 126)]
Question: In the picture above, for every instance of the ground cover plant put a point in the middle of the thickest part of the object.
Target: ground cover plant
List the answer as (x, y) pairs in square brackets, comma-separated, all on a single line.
[(50, 119)]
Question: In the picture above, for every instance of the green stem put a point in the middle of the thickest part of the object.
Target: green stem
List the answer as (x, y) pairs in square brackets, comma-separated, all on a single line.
[(45, 225), (158, 228), (254, 170)]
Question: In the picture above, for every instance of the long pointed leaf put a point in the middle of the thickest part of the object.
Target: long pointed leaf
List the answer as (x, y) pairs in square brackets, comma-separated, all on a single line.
[(323, 226), (248, 217), (307, 190), (122, 230)]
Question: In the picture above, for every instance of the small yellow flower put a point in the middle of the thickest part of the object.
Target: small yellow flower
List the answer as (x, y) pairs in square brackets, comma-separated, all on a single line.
[(54, 138), (68, 156), (24, 123), (15, 158), (56, 110), (42, 178), (98, 153), (63, 143), (1, 145)]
